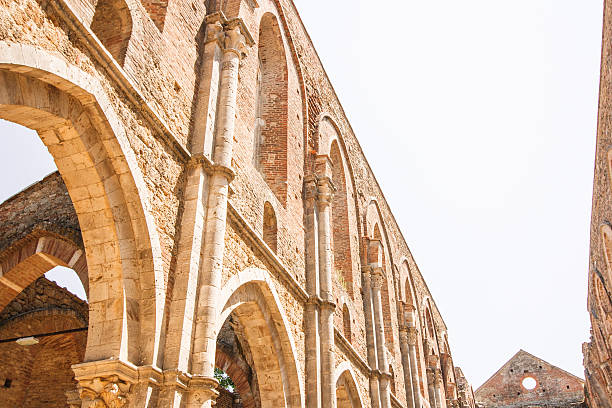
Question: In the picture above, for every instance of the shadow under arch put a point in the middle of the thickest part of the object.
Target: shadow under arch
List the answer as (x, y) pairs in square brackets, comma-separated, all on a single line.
[(347, 392), (250, 297), (75, 121)]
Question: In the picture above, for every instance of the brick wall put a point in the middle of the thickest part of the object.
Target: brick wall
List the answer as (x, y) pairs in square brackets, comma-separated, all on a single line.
[(39, 375), (553, 386)]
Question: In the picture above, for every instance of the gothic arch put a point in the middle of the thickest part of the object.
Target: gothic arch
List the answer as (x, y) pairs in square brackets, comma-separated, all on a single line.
[(72, 115), (112, 24), (341, 231), (347, 392), (270, 226), (271, 101), (251, 298), (30, 258)]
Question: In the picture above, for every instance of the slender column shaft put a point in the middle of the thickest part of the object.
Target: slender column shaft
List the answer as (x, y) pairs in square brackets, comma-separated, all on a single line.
[(325, 193), (181, 318), (205, 336), (311, 323), (412, 336), (439, 389), (370, 338), (433, 401), (383, 364), (405, 350)]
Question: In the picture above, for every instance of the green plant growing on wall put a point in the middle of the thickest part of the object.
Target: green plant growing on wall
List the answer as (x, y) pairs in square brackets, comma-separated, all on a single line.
[(225, 381)]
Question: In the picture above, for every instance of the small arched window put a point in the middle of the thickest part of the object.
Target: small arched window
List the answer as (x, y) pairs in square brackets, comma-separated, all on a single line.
[(112, 24), (343, 264), (271, 106), (269, 226), (346, 320)]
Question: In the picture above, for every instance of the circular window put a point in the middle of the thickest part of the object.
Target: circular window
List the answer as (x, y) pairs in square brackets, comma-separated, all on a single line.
[(529, 383)]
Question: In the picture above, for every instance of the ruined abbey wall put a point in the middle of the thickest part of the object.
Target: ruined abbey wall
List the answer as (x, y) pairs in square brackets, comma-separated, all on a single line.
[(226, 212), (598, 352)]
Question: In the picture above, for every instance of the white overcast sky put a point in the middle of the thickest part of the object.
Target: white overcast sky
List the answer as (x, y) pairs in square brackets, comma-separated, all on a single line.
[(479, 120)]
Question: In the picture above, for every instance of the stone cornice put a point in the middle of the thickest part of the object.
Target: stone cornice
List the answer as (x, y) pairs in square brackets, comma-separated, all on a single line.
[(281, 270), (351, 353)]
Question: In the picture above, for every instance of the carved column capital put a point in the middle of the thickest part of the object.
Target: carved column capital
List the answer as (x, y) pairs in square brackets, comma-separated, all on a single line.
[(231, 35), (105, 392), (325, 191), (438, 377), (432, 361), (204, 388), (377, 278), (413, 335)]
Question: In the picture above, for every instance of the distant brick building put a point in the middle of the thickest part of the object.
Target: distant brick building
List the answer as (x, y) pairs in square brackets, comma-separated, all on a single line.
[(218, 209), (598, 352), (527, 381)]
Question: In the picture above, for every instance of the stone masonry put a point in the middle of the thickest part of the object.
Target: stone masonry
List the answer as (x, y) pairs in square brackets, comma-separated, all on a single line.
[(598, 352), (219, 210), (528, 381)]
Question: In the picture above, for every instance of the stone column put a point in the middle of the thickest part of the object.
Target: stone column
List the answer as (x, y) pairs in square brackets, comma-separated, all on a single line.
[(182, 308), (412, 337), (369, 325), (379, 330), (439, 388), (430, 387), (202, 383), (311, 322), (325, 192), (407, 368)]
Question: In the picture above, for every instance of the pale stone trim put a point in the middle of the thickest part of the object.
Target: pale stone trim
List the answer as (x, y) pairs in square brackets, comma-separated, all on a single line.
[(350, 352), (263, 278), (253, 237), (53, 69), (7, 282), (345, 370)]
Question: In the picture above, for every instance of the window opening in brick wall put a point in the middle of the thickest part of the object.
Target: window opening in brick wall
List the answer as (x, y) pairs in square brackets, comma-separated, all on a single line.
[(529, 383), (270, 227), (157, 11), (346, 320), (343, 263), (112, 24), (271, 156), (7, 383)]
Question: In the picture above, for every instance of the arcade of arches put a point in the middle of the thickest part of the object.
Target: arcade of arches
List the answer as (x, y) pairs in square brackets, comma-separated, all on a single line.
[(217, 209)]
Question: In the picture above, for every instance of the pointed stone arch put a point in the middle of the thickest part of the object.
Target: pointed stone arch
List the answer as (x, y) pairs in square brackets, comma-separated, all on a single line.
[(112, 24), (271, 140), (270, 226), (250, 297), (72, 115), (343, 261), (347, 392)]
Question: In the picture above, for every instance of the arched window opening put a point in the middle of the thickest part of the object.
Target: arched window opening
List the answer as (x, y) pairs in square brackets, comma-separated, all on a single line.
[(269, 227), (343, 264), (346, 320), (112, 24), (157, 11), (271, 108), (385, 294)]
